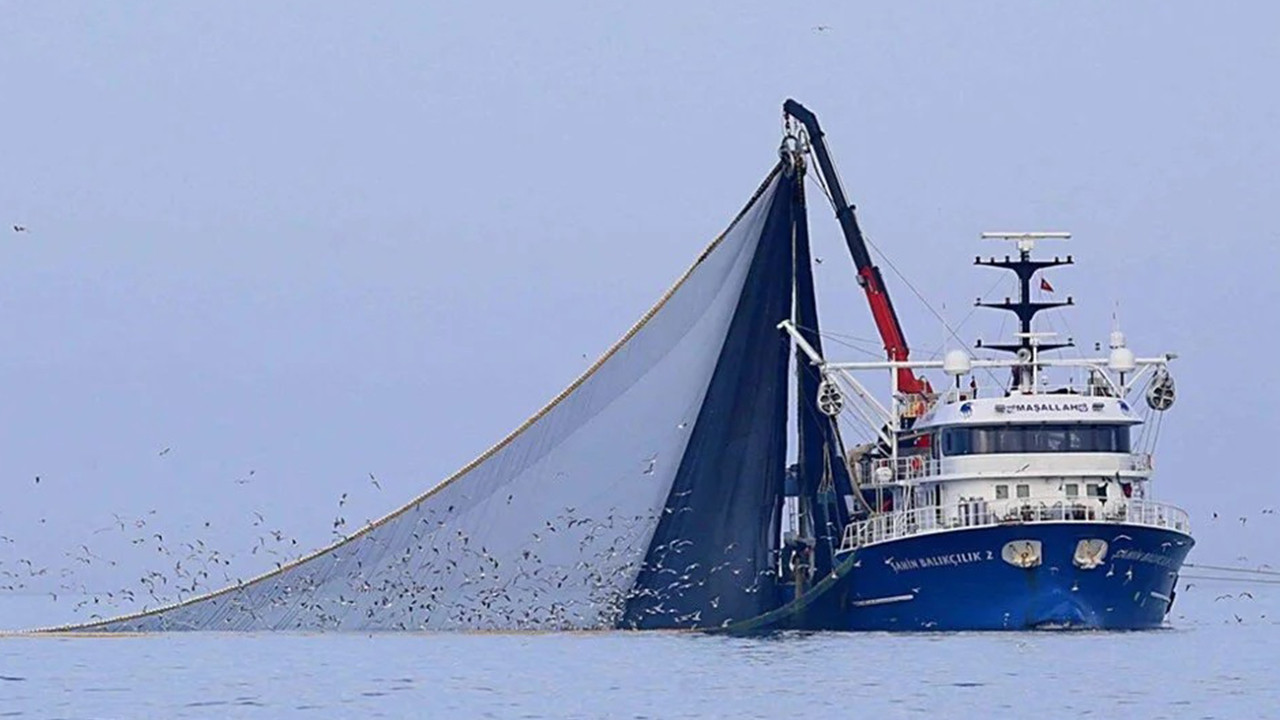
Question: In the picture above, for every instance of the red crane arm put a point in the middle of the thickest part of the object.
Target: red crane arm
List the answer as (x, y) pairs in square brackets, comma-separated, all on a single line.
[(895, 345), (886, 319)]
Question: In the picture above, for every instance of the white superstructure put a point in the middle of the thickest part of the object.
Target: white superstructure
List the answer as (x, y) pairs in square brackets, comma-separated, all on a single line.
[(1036, 448)]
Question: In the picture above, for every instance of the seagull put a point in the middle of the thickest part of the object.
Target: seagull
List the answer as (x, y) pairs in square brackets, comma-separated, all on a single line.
[(821, 28), (19, 228), (374, 480), (164, 452)]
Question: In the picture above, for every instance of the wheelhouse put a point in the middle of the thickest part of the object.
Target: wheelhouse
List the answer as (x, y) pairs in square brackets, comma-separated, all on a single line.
[(1038, 438)]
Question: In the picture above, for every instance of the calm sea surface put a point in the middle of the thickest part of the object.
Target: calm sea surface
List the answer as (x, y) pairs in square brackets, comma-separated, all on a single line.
[(1221, 661)]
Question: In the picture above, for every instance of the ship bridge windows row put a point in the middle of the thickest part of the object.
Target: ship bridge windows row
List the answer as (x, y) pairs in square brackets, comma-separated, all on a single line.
[(1071, 490), (1047, 438)]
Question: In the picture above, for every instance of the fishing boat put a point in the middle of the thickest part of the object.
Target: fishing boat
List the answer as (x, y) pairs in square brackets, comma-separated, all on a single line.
[(1009, 498), (1020, 504), (663, 489)]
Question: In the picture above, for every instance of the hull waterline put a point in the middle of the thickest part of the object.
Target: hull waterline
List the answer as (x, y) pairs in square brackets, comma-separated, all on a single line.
[(959, 580)]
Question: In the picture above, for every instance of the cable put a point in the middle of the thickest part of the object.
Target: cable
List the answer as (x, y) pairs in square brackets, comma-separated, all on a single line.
[(1227, 568), (837, 338), (822, 185), (846, 336), (973, 309), (921, 298), (1252, 581), (950, 330)]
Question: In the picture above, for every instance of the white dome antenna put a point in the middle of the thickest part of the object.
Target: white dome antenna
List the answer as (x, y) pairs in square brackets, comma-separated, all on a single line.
[(1121, 359), (956, 363)]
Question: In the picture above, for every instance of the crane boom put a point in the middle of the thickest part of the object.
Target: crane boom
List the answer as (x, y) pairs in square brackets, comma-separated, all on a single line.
[(886, 318)]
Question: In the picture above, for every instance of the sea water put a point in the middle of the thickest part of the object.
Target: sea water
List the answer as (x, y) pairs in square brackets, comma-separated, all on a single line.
[(1218, 660)]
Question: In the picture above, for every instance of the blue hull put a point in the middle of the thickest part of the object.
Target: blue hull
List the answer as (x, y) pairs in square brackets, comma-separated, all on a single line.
[(957, 580)]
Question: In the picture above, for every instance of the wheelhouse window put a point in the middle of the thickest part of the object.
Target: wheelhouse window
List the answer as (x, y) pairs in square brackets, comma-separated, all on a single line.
[(984, 440), (1002, 492), (1073, 490), (1024, 491)]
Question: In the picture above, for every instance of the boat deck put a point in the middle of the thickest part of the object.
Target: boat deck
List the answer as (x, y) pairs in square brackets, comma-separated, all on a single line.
[(937, 518)]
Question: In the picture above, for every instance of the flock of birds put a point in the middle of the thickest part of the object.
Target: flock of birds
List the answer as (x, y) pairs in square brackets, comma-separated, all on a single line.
[(448, 562), (445, 564), (1194, 575), (440, 565)]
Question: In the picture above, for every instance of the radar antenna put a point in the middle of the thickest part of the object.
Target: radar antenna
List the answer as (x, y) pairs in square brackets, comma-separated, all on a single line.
[(1029, 343)]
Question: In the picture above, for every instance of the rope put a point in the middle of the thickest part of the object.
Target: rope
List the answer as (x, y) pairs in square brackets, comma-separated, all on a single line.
[(1252, 581), (875, 342), (1227, 568), (853, 474), (1152, 422), (1155, 438), (836, 338)]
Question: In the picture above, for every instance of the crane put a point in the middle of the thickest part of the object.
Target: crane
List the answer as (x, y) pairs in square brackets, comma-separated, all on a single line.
[(886, 319)]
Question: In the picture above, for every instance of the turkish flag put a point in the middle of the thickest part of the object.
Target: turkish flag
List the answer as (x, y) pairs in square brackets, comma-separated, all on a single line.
[(1045, 286)]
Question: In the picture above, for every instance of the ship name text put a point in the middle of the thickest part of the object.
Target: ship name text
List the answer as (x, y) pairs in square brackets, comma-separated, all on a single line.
[(1144, 557), (960, 558), (1037, 407)]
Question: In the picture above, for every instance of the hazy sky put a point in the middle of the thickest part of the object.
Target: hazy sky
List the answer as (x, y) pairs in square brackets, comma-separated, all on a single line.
[(321, 240)]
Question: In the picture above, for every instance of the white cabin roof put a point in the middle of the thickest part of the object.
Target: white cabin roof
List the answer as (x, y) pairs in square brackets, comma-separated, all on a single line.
[(1029, 409)]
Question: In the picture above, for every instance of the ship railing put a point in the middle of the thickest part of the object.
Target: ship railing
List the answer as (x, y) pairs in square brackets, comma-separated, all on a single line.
[(916, 467), (979, 513), (908, 467)]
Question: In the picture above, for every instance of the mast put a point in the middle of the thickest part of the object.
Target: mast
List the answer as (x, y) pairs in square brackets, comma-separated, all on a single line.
[(886, 318), (823, 477), (1028, 344)]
